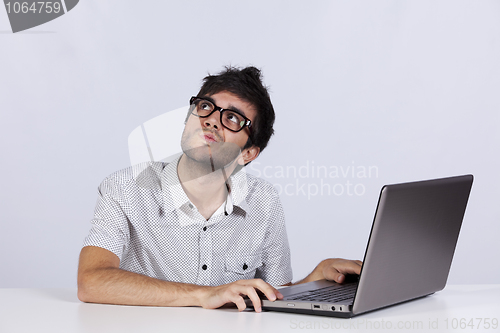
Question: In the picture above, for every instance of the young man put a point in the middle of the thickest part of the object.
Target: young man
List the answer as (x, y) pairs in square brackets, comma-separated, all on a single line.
[(197, 231)]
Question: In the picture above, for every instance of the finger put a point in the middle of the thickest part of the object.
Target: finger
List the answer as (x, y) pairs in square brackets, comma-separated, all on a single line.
[(354, 267), (252, 294), (347, 267), (240, 302), (332, 274), (271, 293)]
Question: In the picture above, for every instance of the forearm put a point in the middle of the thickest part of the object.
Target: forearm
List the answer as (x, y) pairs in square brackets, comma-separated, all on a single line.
[(117, 286)]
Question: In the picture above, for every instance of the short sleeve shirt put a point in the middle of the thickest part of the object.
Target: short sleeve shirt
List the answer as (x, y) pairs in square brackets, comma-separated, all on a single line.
[(145, 218)]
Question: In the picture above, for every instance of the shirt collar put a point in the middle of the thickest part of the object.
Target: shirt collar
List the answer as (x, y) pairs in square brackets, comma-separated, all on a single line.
[(176, 199), (238, 184)]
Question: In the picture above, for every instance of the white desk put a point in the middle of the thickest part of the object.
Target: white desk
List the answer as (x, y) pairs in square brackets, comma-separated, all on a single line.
[(59, 310)]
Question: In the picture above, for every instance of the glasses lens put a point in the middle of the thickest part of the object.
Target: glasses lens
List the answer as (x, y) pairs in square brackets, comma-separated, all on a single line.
[(203, 107), (233, 120)]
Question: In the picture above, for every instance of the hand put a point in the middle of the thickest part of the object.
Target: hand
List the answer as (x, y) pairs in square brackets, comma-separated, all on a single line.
[(215, 297), (336, 269)]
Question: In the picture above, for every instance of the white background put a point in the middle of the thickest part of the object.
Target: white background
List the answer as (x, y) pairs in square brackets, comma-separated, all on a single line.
[(410, 87)]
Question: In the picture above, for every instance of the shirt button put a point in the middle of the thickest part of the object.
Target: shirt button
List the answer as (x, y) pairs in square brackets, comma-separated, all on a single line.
[(204, 267), (190, 206), (245, 266), (204, 228)]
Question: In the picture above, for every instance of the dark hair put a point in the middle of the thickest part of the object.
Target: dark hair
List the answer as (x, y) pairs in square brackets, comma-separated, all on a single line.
[(247, 84)]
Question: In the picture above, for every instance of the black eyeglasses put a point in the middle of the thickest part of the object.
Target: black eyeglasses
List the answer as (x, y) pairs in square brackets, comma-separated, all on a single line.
[(230, 119)]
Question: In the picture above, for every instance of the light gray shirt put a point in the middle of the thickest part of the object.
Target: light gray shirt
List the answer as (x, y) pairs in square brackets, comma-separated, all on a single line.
[(144, 217)]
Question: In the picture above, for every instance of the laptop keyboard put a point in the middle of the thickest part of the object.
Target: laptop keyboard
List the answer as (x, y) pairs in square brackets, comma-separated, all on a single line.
[(331, 294)]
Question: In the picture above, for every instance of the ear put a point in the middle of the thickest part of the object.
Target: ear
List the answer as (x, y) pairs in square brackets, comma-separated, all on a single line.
[(248, 155)]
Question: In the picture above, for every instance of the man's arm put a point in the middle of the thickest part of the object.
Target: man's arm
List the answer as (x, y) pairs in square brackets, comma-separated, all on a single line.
[(100, 280), (332, 269)]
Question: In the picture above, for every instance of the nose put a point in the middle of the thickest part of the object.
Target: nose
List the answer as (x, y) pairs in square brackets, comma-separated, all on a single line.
[(212, 121)]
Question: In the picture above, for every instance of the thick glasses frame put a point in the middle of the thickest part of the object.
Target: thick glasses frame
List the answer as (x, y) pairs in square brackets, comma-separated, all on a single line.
[(248, 122)]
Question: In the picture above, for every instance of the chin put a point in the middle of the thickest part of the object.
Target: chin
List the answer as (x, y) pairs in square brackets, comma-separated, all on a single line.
[(199, 154), (216, 156)]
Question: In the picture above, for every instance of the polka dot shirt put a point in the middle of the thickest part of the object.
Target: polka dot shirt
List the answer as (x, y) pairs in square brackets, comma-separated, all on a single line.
[(145, 218)]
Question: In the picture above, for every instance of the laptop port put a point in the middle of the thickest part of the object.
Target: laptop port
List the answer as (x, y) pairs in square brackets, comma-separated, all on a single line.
[(333, 308), (316, 306)]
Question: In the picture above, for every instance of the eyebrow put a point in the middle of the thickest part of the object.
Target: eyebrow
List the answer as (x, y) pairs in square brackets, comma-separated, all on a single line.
[(231, 107)]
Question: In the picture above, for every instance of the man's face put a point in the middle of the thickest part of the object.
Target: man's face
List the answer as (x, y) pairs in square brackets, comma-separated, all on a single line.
[(205, 140)]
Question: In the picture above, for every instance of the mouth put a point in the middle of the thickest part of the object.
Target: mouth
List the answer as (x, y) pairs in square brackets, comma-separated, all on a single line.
[(209, 137)]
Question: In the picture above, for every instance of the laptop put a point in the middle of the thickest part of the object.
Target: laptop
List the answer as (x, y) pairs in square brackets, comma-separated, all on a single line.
[(408, 256)]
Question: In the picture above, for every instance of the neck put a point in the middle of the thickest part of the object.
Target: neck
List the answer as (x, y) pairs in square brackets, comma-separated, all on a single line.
[(205, 187)]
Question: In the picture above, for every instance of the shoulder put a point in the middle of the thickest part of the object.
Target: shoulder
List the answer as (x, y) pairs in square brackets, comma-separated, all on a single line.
[(146, 174), (260, 188), (259, 183), (264, 202)]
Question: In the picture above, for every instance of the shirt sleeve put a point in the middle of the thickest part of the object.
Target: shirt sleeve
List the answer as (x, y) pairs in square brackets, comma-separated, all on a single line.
[(110, 228), (276, 266)]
